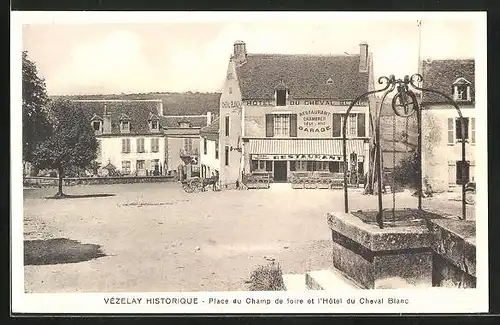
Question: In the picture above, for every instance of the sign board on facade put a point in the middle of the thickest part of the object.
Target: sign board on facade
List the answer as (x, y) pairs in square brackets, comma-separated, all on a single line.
[(304, 102), (302, 157), (317, 121)]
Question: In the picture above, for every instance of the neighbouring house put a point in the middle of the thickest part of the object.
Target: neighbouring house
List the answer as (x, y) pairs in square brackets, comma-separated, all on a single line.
[(182, 134), (209, 149), (282, 114), (129, 133), (442, 132)]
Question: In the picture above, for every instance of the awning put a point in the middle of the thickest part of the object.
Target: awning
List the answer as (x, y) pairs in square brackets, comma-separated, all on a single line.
[(303, 147)]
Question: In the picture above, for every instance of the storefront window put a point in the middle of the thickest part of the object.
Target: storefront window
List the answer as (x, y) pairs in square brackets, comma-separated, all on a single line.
[(321, 166), (301, 165), (259, 165)]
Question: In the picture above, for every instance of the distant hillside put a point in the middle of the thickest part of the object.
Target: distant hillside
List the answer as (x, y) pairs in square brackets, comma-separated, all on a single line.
[(173, 103)]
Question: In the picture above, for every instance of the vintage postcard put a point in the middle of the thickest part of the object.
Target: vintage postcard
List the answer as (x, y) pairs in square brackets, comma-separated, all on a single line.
[(230, 162)]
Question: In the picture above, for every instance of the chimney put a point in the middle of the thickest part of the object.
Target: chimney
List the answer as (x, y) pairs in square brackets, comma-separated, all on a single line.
[(209, 118), (240, 52), (106, 126), (363, 57), (160, 107)]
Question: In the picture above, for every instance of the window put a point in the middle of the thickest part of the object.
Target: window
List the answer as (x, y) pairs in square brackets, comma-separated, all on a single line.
[(140, 145), (301, 165), (281, 97), (226, 126), (336, 166), (473, 130), (352, 125), (259, 165), (125, 126), (184, 124), (329, 81), (188, 144), (126, 167), (205, 145), (230, 90), (281, 125), (451, 131), (155, 144), (216, 149), (462, 92), (154, 125), (226, 155), (140, 165), (96, 125), (321, 166), (155, 165), (125, 145), (462, 177), (458, 129)]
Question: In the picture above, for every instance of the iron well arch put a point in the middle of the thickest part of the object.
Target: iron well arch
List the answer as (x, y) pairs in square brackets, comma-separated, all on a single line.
[(404, 93)]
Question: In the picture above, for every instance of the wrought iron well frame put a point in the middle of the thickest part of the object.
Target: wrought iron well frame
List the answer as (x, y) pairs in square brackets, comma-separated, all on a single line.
[(403, 91)]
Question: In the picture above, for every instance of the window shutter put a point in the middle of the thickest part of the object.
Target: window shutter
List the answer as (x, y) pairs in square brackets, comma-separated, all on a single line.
[(336, 125), (293, 125), (124, 145), (227, 125), (361, 125), (450, 131), (466, 127), (138, 141), (269, 125)]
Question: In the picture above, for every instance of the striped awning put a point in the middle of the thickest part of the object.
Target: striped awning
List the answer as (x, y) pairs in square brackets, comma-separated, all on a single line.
[(303, 147)]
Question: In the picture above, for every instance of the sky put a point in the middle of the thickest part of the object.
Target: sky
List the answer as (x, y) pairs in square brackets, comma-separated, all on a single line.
[(102, 58)]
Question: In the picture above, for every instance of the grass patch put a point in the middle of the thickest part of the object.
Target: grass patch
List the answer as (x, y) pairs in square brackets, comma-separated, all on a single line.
[(267, 278), (59, 251)]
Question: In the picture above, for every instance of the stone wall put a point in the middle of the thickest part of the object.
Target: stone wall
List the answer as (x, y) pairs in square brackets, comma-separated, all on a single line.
[(69, 181)]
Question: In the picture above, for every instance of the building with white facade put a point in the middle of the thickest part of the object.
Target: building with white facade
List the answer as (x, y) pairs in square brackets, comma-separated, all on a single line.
[(442, 132), (282, 114), (130, 137), (209, 150)]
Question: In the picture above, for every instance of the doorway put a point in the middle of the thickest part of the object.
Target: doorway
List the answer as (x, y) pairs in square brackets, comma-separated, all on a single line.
[(280, 171)]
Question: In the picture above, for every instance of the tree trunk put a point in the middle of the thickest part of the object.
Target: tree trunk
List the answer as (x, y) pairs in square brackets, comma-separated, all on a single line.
[(61, 174)]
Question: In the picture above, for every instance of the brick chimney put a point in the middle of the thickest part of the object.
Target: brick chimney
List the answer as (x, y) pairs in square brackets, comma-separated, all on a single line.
[(106, 127), (363, 57), (240, 52)]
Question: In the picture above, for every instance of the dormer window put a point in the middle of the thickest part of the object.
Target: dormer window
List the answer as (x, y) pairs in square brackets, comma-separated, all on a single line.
[(96, 122), (461, 90), (329, 81), (124, 124), (281, 94), (184, 124), (154, 125)]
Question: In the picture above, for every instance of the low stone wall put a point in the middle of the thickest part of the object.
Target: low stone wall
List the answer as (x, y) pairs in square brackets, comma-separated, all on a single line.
[(69, 181)]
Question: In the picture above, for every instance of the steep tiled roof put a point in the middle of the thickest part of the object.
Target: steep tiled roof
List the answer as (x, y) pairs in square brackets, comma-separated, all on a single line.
[(441, 74), (138, 112), (187, 103), (195, 121), (211, 131), (304, 75)]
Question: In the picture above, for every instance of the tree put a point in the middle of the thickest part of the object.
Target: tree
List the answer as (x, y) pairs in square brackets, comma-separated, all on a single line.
[(72, 143), (36, 121)]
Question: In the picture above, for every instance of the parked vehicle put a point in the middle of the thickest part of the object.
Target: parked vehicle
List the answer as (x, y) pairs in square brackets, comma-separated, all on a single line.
[(470, 193)]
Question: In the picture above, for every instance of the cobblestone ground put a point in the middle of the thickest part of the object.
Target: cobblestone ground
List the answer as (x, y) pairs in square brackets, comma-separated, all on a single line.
[(158, 238)]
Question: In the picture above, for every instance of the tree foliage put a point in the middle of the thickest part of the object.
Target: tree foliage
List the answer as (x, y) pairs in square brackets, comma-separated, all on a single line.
[(406, 173), (72, 143), (36, 121)]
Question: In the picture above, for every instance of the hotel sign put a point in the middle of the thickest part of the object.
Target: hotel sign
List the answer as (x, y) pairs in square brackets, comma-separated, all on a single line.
[(304, 102)]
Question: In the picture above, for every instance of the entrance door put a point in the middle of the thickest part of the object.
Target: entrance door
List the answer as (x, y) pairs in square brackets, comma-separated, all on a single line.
[(280, 171)]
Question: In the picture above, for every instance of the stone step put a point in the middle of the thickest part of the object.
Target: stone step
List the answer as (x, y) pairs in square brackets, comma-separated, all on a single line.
[(329, 280), (294, 282)]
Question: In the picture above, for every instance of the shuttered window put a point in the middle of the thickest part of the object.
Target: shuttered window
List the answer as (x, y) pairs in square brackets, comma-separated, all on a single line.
[(125, 145), (155, 145), (451, 131), (293, 125), (269, 125), (226, 125), (361, 125), (337, 127), (226, 155), (458, 126), (140, 145)]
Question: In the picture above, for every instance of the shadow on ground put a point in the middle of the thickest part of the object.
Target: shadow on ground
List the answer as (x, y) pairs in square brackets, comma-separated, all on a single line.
[(59, 251), (79, 196)]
